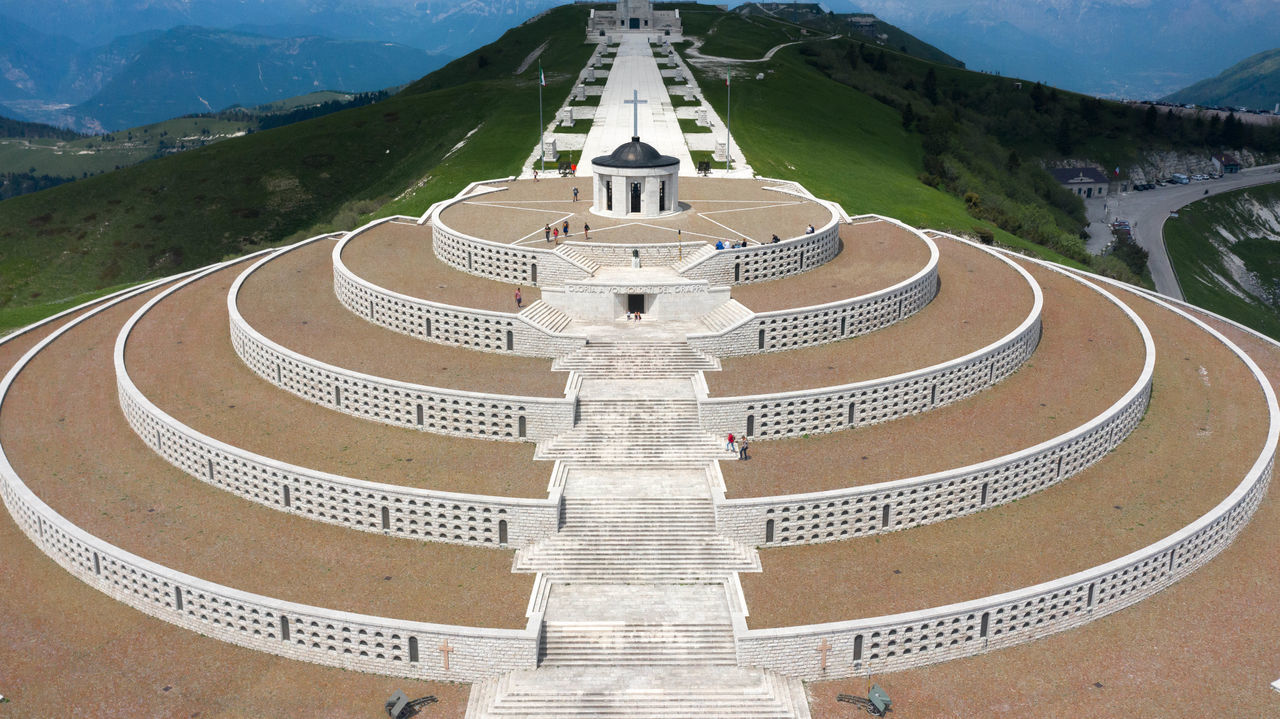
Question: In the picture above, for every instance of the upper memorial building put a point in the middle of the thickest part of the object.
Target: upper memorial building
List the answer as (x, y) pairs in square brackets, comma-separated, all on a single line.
[(633, 16)]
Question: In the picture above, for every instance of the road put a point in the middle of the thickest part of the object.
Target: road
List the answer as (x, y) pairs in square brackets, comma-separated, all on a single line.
[(1147, 212)]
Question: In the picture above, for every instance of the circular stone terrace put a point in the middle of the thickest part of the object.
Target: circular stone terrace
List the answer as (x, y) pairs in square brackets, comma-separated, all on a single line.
[(711, 210), (1136, 442)]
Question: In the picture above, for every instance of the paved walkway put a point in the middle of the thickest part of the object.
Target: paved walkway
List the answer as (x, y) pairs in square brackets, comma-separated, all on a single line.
[(635, 70)]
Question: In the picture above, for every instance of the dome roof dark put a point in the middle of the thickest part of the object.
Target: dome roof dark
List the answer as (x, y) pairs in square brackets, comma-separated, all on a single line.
[(635, 154)]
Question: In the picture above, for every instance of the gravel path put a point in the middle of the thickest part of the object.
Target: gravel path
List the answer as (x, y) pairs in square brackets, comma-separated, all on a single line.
[(398, 257), (1089, 355), (71, 445), (1205, 428), (981, 300), (321, 328), (875, 255), (1206, 643), (181, 358)]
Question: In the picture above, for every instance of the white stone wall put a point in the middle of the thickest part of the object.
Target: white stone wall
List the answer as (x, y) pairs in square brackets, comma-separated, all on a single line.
[(831, 322), (431, 409), (830, 409), (858, 511), (323, 636), (759, 263), (357, 504), (501, 332), (506, 263), (901, 641), (652, 254)]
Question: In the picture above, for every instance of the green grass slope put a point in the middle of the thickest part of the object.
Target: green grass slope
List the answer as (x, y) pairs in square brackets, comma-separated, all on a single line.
[(190, 209), (1203, 258), (1253, 82)]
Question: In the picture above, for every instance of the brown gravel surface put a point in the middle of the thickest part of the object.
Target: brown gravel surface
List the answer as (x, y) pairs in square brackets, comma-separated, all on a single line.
[(875, 256), (204, 384), (398, 257), (1089, 355), (70, 444), (68, 650), (716, 209), (321, 328), (1203, 430), (1204, 646), (981, 300)]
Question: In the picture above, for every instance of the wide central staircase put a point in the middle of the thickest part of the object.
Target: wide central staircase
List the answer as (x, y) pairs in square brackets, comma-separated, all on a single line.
[(640, 589)]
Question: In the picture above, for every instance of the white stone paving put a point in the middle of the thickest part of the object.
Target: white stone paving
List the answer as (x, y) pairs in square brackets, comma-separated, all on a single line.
[(635, 69)]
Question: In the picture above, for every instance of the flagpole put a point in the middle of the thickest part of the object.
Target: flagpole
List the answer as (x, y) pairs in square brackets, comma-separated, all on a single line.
[(542, 129)]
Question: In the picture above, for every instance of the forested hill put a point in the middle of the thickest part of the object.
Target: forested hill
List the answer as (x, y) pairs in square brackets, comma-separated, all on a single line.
[(1252, 83)]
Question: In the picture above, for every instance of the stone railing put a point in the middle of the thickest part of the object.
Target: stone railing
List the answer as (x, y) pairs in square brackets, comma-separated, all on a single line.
[(830, 322), (441, 323), (913, 639), (506, 263), (830, 409), (890, 506), (759, 263), (357, 504), (431, 409), (619, 255), (297, 631)]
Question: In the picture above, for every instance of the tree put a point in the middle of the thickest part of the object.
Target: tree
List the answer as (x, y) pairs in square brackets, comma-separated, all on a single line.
[(908, 116), (931, 87), (1013, 162), (882, 62)]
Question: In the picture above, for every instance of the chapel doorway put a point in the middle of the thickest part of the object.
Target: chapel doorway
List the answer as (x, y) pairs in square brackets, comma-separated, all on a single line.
[(635, 303), (635, 197)]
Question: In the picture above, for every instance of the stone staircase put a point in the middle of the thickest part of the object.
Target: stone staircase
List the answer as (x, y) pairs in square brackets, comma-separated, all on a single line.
[(695, 257), (544, 316), (637, 540), (716, 692), (646, 644), (637, 360), (578, 258), (726, 317), (615, 432)]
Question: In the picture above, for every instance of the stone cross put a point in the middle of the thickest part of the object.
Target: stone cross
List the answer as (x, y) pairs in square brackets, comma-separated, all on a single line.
[(445, 649), (635, 102), (823, 647)]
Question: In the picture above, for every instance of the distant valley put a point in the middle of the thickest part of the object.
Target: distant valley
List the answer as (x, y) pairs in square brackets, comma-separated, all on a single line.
[(153, 76)]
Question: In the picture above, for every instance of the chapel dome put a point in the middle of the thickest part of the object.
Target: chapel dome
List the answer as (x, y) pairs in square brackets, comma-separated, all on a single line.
[(635, 154)]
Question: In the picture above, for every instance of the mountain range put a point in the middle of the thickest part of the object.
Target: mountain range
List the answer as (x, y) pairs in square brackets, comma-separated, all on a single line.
[(449, 27), (154, 75), (1251, 83), (1140, 49)]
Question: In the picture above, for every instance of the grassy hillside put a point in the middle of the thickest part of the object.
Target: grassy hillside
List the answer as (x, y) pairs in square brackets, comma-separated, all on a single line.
[(1253, 82), (1223, 250), (187, 210)]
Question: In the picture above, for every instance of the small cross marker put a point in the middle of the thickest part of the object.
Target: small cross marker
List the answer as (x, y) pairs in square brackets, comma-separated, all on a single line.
[(445, 649), (823, 647)]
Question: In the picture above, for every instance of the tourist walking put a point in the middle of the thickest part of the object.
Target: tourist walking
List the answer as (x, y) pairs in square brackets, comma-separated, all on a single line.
[(519, 299), (742, 447), (547, 231), (586, 231), (535, 174), (575, 194), (728, 445), (555, 234), (566, 228)]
